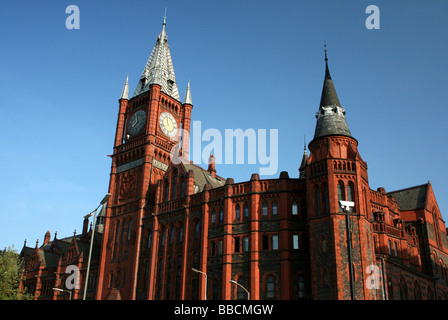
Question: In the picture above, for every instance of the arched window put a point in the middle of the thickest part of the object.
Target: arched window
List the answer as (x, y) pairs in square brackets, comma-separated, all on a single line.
[(174, 186), (197, 229), (326, 199), (166, 191), (221, 215), (351, 194), (403, 290), (213, 220), (301, 288), (270, 287), (182, 188), (265, 209), (129, 230), (240, 293), (341, 194), (237, 211), (245, 211), (417, 291)]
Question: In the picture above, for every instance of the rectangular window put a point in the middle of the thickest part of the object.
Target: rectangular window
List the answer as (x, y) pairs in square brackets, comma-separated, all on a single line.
[(220, 247), (275, 242), (237, 244), (265, 242), (396, 248), (245, 244), (294, 209), (295, 241)]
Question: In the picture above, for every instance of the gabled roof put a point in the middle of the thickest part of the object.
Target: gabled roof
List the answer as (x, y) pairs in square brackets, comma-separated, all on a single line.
[(159, 69), (411, 198)]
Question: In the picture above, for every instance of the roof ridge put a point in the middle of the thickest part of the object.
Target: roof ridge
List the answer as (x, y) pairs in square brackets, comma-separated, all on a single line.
[(409, 188)]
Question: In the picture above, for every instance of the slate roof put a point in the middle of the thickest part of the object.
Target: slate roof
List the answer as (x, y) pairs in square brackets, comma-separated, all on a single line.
[(202, 177), (159, 69), (331, 117), (411, 198)]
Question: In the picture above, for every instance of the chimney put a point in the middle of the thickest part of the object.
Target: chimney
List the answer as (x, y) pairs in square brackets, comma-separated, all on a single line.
[(211, 166), (47, 237), (85, 225)]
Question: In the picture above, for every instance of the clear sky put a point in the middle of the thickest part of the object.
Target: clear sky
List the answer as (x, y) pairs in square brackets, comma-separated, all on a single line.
[(252, 64)]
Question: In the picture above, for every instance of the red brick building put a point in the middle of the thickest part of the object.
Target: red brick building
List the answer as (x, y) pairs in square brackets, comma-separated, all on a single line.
[(179, 231)]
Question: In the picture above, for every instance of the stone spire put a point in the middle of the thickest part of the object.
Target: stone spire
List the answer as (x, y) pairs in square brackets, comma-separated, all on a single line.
[(303, 163), (187, 99), (125, 93), (331, 116), (159, 68)]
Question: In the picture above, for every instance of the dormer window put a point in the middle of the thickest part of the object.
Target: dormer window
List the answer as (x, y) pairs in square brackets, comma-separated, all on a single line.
[(170, 85)]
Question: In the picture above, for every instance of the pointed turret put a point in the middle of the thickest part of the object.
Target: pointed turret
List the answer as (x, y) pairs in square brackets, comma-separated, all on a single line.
[(303, 164), (159, 68), (331, 116), (187, 99), (125, 93)]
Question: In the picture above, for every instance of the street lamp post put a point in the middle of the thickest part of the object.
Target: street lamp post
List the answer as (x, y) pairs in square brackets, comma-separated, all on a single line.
[(62, 290), (239, 285), (202, 272), (346, 205), (103, 202)]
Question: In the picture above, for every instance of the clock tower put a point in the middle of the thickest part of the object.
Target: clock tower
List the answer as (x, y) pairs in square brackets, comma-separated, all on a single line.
[(148, 129)]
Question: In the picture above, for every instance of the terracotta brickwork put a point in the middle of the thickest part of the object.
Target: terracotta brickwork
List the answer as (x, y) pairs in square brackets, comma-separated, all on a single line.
[(167, 225)]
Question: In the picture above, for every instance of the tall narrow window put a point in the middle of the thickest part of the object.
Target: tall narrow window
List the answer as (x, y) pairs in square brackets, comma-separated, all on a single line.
[(318, 202), (265, 209), (174, 186), (341, 194), (213, 217), (294, 209), (245, 244), (181, 233), (166, 191), (275, 242), (162, 240), (301, 288), (351, 194), (197, 228), (270, 287), (129, 230), (237, 212), (240, 293), (245, 212), (295, 241), (326, 199), (172, 235), (149, 239), (274, 208), (221, 215), (182, 188)]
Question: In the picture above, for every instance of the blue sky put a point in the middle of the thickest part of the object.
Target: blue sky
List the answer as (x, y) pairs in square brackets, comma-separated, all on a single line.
[(252, 64)]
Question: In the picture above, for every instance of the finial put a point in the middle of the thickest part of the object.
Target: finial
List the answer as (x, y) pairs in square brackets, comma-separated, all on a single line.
[(164, 17), (325, 50), (304, 142)]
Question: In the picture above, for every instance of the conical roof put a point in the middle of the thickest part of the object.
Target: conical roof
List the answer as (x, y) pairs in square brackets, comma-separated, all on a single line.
[(159, 69), (331, 116)]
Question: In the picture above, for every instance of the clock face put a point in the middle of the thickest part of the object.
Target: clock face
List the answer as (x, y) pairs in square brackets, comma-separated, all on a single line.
[(168, 124), (137, 122)]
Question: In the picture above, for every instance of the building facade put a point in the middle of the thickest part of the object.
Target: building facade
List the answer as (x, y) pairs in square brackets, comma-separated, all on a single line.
[(174, 230)]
